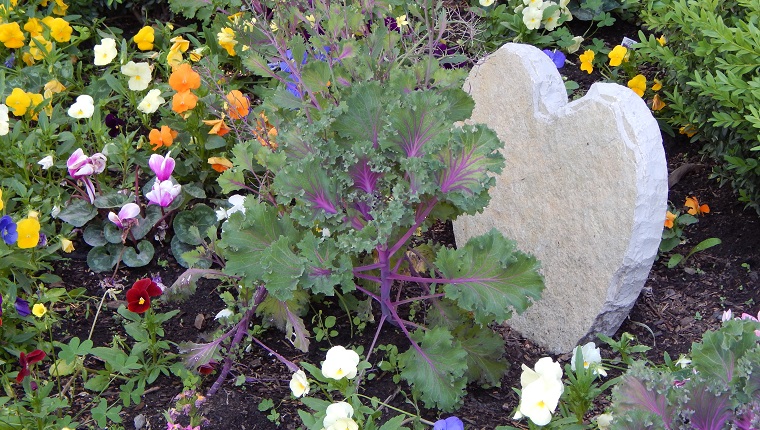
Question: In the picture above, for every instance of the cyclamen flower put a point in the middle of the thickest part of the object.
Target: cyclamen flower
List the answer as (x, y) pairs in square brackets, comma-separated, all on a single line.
[(83, 107), (151, 102), (162, 166), (541, 389), (127, 212), (299, 384), (340, 363), (105, 52), (138, 297), (139, 75), (163, 193)]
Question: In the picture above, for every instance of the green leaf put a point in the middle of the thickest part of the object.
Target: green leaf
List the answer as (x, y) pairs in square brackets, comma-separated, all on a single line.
[(188, 224), (718, 353), (705, 244), (93, 234), (286, 316), (283, 269), (62, 367), (112, 200), (75, 349), (145, 225), (485, 351), (674, 260), (489, 277), (78, 213), (436, 374), (103, 258), (365, 114), (326, 266), (132, 259)]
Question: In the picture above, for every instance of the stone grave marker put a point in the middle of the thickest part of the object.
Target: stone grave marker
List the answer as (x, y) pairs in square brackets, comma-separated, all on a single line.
[(584, 189)]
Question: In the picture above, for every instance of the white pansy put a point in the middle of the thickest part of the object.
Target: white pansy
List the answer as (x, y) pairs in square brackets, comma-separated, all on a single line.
[(343, 424), (577, 40), (340, 363), (532, 17), (83, 107), (552, 21), (151, 102), (683, 361), (299, 384), (46, 162), (224, 313), (541, 389), (604, 421), (55, 211), (486, 3), (592, 357), (139, 75), (337, 411), (5, 125), (105, 52)]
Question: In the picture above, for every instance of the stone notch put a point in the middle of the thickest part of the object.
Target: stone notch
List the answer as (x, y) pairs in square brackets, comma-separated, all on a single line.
[(584, 189)]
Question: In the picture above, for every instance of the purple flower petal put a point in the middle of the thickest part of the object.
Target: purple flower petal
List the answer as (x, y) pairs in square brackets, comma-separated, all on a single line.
[(22, 307)]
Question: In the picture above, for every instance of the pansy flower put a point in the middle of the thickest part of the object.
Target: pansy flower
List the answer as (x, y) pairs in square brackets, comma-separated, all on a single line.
[(220, 164), (587, 61), (138, 297), (105, 52), (450, 423), (162, 137), (617, 55), (11, 35), (22, 307), (114, 124), (144, 38), (151, 102), (60, 29), (226, 39), (67, 245), (28, 233), (46, 162), (8, 230), (184, 101), (638, 84), (5, 125), (238, 105), (670, 218), (557, 57), (139, 75), (695, 208), (218, 127), (83, 107), (18, 101), (657, 103), (25, 360), (184, 78)]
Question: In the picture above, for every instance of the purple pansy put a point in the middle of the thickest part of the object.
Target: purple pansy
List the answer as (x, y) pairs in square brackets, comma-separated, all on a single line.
[(557, 57), (22, 307), (450, 423), (115, 124), (8, 230)]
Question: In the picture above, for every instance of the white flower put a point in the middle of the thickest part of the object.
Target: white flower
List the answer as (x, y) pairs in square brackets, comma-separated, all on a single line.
[(83, 107), (151, 102), (337, 411), (46, 162), (224, 313), (299, 385), (486, 3), (538, 4), (577, 40), (343, 424), (532, 17), (325, 232), (105, 52), (237, 201), (541, 389), (339, 363), (56, 210), (5, 125), (604, 421), (139, 75), (552, 21), (727, 315), (683, 361), (592, 357)]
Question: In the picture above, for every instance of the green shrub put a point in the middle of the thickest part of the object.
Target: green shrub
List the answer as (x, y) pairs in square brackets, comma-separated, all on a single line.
[(712, 81)]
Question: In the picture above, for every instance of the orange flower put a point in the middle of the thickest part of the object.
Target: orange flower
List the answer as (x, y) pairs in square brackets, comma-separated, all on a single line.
[(669, 218), (688, 130), (220, 164), (163, 137), (184, 78), (218, 127), (265, 132), (184, 101), (239, 105), (657, 103), (694, 207)]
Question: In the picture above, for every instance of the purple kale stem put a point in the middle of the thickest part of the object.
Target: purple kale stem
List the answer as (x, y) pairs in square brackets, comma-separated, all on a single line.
[(419, 219), (367, 277), (414, 299), (240, 330), (367, 292), (386, 283), (291, 366), (358, 380), (367, 267), (407, 278)]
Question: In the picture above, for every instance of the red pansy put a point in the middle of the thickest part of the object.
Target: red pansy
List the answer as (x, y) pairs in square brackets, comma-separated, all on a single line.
[(25, 360), (138, 297)]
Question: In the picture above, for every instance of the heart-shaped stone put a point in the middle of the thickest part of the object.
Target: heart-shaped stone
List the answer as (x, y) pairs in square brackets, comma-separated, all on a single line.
[(584, 190)]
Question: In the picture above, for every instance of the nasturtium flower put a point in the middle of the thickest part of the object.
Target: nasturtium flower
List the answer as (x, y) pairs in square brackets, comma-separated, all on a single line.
[(238, 105), (162, 166), (657, 103), (28, 233), (163, 193), (151, 102), (450, 423), (587, 61), (138, 297), (25, 360), (541, 390), (218, 127), (139, 75), (5, 125), (220, 164), (557, 57), (8, 230), (592, 358), (46, 162), (144, 38), (226, 39), (127, 213), (486, 3), (60, 29), (18, 101), (299, 384), (163, 137), (39, 310), (67, 246), (11, 35), (34, 27), (670, 217), (340, 363), (184, 78), (617, 55), (695, 208), (532, 17), (638, 84), (661, 40), (184, 101), (39, 47), (105, 52), (84, 107)]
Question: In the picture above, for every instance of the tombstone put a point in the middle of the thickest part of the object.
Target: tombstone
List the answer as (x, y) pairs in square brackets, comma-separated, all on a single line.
[(584, 189)]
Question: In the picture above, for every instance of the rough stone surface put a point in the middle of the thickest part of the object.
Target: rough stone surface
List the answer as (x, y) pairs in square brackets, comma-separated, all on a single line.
[(584, 190)]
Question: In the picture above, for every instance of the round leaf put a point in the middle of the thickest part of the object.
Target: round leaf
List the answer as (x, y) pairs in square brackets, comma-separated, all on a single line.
[(102, 258), (111, 233), (132, 259), (188, 225), (93, 234)]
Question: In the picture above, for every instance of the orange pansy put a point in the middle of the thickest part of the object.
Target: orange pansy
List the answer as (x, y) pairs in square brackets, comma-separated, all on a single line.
[(239, 105), (163, 137), (184, 101), (695, 208), (220, 164), (184, 78), (669, 218), (218, 127)]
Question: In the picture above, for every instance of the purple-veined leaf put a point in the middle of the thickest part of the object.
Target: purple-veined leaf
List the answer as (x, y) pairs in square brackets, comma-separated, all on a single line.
[(186, 283), (489, 277), (195, 355), (286, 316), (468, 159), (419, 125), (711, 412), (635, 395), (283, 269), (311, 184), (718, 353), (364, 178), (365, 114), (325, 266)]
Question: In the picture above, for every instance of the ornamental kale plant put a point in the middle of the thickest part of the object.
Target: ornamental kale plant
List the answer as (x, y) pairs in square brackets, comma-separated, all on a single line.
[(371, 151)]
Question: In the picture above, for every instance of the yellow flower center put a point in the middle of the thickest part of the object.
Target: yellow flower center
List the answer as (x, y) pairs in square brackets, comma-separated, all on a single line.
[(141, 301)]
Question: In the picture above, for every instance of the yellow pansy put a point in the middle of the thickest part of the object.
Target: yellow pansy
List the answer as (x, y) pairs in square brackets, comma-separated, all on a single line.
[(638, 84), (36, 43), (28, 233), (226, 39), (657, 85), (67, 246), (11, 35), (657, 103), (18, 101), (587, 61), (60, 8), (144, 38), (53, 87), (2, 204), (617, 55), (34, 27), (39, 310), (60, 29), (178, 43)]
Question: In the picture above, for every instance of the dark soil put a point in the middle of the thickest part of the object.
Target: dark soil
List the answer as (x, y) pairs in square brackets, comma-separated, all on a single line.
[(674, 309)]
